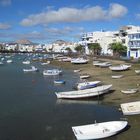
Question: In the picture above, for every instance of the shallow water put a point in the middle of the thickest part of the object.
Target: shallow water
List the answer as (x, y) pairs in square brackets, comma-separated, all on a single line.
[(29, 109)]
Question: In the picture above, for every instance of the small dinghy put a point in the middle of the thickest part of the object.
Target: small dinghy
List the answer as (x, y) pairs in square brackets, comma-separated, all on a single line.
[(33, 69), (116, 76), (98, 130), (131, 108), (86, 84), (86, 93), (137, 71), (120, 67), (9, 61), (1, 63), (26, 62), (79, 61), (84, 76), (45, 63), (59, 81), (77, 70), (130, 91), (52, 72)]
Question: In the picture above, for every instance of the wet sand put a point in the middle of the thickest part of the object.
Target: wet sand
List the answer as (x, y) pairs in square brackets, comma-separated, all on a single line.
[(115, 97), (129, 80)]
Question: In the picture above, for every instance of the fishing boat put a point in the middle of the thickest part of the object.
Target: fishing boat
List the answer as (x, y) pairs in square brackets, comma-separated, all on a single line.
[(130, 91), (79, 61), (131, 108), (33, 69), (59, 81), (52, 72), (86, 93), (98, 130), (120, 67), (86, 84)]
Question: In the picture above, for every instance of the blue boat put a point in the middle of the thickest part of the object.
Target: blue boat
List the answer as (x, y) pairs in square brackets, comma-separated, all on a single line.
[(59, 81), (86, 85)]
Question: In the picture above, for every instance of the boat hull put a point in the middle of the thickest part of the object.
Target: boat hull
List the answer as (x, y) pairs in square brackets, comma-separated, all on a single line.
[(86, 85), (98, 130), (59, 81), (131, 108), (97, 91)]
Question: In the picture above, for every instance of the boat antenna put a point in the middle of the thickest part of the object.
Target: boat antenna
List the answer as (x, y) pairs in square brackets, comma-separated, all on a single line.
[(95, 121)]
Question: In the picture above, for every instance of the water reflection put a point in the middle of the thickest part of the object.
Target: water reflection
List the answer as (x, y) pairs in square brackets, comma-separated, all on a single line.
[(86, 102)]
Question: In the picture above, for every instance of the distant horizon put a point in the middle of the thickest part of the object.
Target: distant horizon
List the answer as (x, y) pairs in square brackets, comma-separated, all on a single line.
[(46, 21)]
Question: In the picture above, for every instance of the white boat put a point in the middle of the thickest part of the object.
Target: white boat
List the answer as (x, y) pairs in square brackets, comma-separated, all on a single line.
[(131, 108), (86, 93), (86, 84), (1, 63), (116, 76), (98, 130), (79, 61), (105, 64), (52, 72), (101, 64), (33, 69), (67, 59), (59, 81), (96, 63), (9, 61), (130, 91), (120, 67), (84, 76), (45, 63), (137, 71), (77, 70), (26, 62)]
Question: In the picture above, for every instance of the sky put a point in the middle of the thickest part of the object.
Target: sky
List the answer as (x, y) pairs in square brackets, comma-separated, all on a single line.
[(44, 21)]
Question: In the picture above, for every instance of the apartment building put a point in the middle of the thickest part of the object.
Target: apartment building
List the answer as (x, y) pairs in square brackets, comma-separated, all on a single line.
[(128, 35)]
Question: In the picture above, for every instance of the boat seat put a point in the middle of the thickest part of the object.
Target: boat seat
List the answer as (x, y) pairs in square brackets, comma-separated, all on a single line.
[(105, 129)]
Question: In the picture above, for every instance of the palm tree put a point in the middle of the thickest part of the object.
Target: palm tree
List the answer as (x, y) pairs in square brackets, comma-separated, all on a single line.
[(118, 48), (68, 50), (79, 48), (95, 48)]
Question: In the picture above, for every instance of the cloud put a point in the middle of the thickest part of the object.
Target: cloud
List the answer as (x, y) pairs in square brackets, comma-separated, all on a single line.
[(66, 14), (56, 31), (5, 2), (4, 26), (138, 16), (117, 11)]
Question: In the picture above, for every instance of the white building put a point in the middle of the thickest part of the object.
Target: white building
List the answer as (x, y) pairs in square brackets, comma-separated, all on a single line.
[(134, 42), (104, 38), (128, 35), (26, 47), (61, 46), (11, 46)]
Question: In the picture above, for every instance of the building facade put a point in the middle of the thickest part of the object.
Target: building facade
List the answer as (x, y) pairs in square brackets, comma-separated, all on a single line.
[(104, 38), (134, 43), (128, 35)]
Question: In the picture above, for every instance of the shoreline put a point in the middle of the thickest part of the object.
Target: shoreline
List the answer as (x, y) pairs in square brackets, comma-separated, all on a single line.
[(115, 97)]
